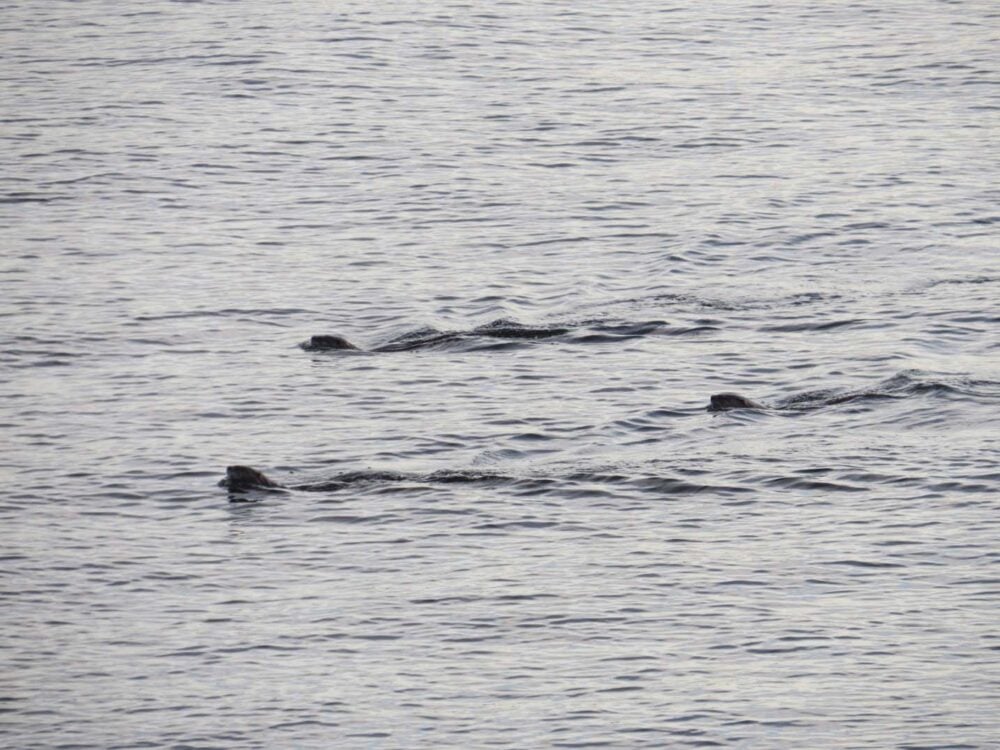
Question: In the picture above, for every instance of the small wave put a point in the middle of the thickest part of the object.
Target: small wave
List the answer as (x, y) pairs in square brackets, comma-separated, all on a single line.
[(812, 326), (28, 198), (864, 564), (830, 397), (899, 386), (797, 483), (342, 481), (454, 476), (606, 332), (509, 329), (960, 281), (740, 304), (498, 329), (276, 311)]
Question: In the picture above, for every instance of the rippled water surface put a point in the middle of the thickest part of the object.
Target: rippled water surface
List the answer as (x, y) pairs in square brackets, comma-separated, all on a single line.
[(553, 230)]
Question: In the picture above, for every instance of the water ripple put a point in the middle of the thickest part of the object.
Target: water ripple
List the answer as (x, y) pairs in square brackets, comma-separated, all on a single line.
[(553, 232)]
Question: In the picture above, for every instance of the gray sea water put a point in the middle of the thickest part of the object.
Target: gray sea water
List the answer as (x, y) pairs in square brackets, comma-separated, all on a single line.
[(553, 230)]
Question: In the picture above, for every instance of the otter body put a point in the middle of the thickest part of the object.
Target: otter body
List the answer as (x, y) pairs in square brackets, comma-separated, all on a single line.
[(240, 478), (327, 342), (498, 329), (727, 401)]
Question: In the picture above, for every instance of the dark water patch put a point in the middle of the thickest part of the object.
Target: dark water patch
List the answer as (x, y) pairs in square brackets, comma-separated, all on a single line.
[(863, 564), (711, 143), (627, 330), (521, 598), (809, 237), (633, 424), (673, 487), (447, 600), (957, 281), (687, 330), (869, 478), (420, 339), (812, 485), (13, 198), (524, 524), (508, 329), (783, 650), (491, 345), (455, 476), (812, 326), (987, 318), (349, 519), (744, 582), (498, 329), (351, 478), (990, 476)]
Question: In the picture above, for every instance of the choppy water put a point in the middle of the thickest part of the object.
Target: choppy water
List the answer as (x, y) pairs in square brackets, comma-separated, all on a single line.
[(555, 230)]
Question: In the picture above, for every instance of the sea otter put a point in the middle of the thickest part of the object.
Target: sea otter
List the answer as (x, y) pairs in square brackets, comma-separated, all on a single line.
[(327, 342), (239, 478), (726, 401), (498, 329)]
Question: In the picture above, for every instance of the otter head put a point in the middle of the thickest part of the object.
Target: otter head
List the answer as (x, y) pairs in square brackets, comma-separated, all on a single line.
[(725, 401), (244, 478), (327, 342)]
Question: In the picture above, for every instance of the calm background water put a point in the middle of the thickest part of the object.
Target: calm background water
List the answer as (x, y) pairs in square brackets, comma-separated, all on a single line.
[(540, 542)]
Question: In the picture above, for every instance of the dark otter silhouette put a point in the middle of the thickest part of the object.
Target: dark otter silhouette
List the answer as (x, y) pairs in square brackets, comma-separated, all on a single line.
[(239, 478), (802, 402), (727, 401), (327, 342), (242, 478), (498, 329)]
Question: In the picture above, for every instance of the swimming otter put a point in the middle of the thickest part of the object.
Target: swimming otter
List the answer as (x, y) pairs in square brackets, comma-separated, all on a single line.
[(327, 342), (498, 329), (726, 401), (239, 478)]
